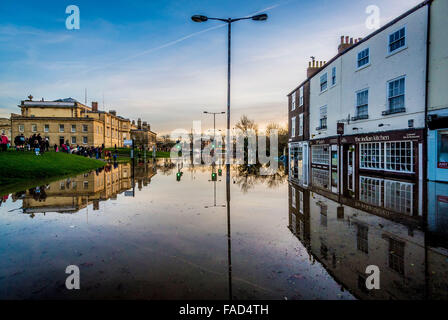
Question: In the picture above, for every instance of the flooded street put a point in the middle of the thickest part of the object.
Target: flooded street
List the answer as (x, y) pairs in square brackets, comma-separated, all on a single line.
[(168, 238)]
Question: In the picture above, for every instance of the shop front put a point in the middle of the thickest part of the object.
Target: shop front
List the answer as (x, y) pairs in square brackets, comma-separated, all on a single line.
[(438, 149)]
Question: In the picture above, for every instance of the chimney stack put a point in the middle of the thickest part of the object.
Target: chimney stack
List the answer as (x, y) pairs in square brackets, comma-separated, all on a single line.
[(94, 106), (347, 42), (113, 112), (139, 123), (314, 67)]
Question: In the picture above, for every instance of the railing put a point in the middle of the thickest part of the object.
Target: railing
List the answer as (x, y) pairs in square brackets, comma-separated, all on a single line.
[(393, 111)]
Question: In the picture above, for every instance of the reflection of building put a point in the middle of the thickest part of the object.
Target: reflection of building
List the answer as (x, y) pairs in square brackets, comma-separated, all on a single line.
[(366, 113), (69, 121), (437, 93), (346, 236), (72, 194)]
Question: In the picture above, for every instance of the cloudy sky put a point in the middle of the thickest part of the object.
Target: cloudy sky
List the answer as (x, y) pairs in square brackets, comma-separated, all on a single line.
[(150, 60)]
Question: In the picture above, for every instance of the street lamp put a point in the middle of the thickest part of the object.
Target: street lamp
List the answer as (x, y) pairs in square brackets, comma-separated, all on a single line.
[(214, 121), (229, 21)]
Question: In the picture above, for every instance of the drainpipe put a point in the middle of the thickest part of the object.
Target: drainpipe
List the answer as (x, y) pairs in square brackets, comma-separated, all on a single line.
[(425, 153)]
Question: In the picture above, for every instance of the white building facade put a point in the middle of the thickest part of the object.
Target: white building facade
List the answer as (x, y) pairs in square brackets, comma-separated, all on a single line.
[(367, 107)]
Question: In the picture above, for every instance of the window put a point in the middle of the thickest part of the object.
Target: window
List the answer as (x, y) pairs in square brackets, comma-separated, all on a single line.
[(323, 118), (47, 128), (73, 127), (363, 58), (293, 101), (73, 140), (301, 201), (371, 156), (85, 128), (84, 140), (293, 197), (293, 126), (320, 178), (399, 156), (323, 214), (396, 255), (390, 156), (61, 128), (320, 154), (442, 149), (301, 124), (362, 105), (370, 190), (21, 128), (333, 76), (398, 196), (34, 127), (323, 82), (301, 96), (86, 184), (397, 40), (362, 239), (396, 92)]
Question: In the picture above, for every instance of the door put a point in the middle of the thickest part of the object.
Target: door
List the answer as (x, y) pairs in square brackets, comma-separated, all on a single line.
[(351, 168), (61, 141)]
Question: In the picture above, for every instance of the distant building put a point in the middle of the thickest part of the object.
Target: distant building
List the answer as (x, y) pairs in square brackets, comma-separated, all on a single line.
[(5, 127), (71, 122), (142, 134)]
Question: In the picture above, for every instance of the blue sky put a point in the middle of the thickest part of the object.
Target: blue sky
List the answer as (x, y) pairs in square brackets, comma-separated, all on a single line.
[(151, 61)]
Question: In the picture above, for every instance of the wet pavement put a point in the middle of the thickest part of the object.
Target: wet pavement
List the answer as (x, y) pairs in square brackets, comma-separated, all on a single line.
[(163, 231)]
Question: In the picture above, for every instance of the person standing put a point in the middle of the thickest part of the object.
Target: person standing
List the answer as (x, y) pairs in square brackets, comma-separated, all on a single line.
[(4, 142)]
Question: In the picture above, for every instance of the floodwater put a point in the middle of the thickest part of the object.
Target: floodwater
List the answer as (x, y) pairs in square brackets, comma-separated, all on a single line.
[(163, 231)]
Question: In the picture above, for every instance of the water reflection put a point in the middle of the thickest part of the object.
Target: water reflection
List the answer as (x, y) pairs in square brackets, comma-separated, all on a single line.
[(164, 230), (383, 224)]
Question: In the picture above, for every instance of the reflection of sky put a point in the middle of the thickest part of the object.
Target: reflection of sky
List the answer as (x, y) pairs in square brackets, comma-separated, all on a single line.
[(147, 57), (163, 244)]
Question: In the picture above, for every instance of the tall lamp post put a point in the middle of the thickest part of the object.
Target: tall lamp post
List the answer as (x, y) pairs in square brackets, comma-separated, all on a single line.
[(229, 21)]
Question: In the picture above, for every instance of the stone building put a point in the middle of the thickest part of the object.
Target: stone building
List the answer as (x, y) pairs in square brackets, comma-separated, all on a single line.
[(142, 134), (71, 122), (5, 127)]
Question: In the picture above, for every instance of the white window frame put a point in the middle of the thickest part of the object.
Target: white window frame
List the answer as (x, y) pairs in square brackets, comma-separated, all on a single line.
[(21, 128), (318, 154), (86, 140), (301, 201), (356, 101), (381, 157), (293, 126), (323, 115), (325, 75), (73, 128), (301, 124), (46, 128), (61, 126), (86, 127), (301, 96), (366, 57), (389, 97), (74, 141), (404, 46), (34, 128), (293, 197), (333, 76), (293, 101)]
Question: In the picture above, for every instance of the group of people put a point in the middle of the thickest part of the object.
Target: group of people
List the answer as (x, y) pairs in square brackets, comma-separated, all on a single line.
[(35, 142)]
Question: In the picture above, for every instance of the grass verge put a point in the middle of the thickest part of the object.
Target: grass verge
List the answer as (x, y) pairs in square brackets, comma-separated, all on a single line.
[(18, 169)]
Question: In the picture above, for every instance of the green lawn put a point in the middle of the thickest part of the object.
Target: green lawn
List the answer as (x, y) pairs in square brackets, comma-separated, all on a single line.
[(17, 168)]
